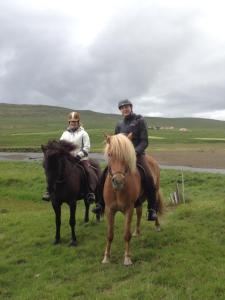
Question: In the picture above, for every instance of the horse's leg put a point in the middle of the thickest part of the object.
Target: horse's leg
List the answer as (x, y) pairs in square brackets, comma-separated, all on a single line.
[(73, 223), (127, 236), (110, 234), (57, 209), (98, 217), (86, 214), (157, 224), (137, 230)]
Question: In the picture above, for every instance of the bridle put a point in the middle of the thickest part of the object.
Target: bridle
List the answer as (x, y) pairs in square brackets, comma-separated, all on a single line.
[(114, 174), (117, 176)]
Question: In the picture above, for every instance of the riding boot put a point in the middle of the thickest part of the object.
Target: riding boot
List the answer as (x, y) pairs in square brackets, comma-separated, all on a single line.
[(100, 204), (152, 211), (152, 215), (149, 187), (99, 208), (89, 182)]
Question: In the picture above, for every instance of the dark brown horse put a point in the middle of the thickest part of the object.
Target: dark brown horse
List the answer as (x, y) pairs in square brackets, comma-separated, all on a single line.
[(122, 188), (66, 182)]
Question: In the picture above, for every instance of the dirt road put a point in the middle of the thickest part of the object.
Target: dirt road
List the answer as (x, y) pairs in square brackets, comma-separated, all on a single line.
[(208, 159), (193, 158)]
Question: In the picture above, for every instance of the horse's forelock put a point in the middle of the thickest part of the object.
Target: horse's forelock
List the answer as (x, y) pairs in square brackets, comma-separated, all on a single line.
[(122, 149), (55, 154), (68, 146), (61, 147)]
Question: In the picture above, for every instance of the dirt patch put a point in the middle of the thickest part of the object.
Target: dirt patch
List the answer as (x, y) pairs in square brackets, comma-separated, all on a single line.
[(192, 158)]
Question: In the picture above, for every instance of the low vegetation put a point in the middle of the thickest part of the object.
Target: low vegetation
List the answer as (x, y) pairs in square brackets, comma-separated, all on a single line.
[(184, 261)]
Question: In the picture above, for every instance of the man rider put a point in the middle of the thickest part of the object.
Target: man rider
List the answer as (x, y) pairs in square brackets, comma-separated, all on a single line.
[(137, 125)]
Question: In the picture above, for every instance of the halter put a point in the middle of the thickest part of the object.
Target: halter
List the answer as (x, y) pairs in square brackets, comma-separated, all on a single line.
[(112, 175)]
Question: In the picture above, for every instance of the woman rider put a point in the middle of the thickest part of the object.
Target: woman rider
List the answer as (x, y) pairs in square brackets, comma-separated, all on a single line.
[(76, 134)]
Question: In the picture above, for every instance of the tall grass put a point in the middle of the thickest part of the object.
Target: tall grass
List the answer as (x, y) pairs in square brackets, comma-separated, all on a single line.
[(184, 261)]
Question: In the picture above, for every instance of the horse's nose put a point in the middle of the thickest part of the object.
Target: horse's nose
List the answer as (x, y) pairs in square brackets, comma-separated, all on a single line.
[(114, 181), (117, 183)]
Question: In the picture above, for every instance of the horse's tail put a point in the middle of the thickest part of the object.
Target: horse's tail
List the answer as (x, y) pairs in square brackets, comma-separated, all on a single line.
[(159, 204)]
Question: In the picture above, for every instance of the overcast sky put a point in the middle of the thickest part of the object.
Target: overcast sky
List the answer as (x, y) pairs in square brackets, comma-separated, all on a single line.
[(167, 57)]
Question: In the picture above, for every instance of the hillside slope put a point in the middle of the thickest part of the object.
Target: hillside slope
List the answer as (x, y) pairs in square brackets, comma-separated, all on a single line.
[(55, 117)]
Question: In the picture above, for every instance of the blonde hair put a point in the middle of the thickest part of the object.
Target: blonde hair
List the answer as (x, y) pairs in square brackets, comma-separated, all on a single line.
[(119, 147)]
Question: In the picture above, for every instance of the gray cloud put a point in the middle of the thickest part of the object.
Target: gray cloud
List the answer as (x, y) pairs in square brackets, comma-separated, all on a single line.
[(157, 56)]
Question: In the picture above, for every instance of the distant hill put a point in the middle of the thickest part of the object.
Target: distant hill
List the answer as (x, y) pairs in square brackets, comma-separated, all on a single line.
[(42, 116)]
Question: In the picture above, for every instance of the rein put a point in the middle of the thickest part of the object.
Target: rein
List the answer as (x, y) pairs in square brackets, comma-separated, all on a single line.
[(60, 180), (61, 177)]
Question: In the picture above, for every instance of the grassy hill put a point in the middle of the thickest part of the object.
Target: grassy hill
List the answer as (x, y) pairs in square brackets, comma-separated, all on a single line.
[(25, 127), (55, 117)]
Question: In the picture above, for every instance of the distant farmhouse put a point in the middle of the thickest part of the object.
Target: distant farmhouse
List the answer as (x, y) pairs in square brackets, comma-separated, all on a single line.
[(183, 130), (157, 127), (161, 127)]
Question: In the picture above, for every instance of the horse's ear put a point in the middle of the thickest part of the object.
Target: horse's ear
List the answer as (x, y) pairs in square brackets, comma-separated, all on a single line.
[(43, 148), (107, 138), (130, 136)]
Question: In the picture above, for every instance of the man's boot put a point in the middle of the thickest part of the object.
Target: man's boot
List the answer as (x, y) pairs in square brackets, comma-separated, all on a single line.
[(98, 209), (152, 215), (100, 204)]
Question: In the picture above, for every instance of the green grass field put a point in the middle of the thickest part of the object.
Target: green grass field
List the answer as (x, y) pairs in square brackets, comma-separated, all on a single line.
[(184, 261), (26, 127)]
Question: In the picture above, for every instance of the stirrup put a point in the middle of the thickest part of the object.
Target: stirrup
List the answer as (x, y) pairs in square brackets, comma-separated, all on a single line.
[(91, 197)]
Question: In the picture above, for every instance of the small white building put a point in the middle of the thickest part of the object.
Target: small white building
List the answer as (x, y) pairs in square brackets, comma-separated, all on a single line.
[(183, 130)]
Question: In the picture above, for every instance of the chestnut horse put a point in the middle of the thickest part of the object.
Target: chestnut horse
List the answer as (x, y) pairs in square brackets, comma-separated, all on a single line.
[(123, 187)]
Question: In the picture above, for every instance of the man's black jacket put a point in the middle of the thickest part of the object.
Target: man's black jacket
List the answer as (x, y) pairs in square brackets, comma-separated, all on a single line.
[(137, 125)]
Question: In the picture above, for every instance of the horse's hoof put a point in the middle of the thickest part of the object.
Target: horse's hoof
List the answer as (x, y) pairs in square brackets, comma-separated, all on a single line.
[(136, 234), (127, 261), (73, 244), (105, 260), (157, 228), (56, 242)]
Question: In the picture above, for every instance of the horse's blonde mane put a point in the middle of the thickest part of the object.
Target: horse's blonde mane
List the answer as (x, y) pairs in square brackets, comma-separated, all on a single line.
[(122, 149)]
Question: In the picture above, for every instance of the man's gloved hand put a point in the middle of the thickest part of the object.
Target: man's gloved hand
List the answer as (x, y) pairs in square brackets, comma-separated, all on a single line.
[(77, 158)]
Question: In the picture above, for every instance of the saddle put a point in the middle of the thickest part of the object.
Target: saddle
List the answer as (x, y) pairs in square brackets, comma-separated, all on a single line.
[(91, 174)]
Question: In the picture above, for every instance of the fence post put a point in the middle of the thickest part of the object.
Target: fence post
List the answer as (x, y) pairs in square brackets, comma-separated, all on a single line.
[(182, 176)]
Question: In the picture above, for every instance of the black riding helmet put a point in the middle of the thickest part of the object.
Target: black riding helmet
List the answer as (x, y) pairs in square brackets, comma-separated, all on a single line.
[(124, 102)]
